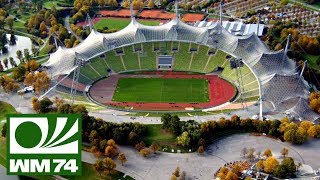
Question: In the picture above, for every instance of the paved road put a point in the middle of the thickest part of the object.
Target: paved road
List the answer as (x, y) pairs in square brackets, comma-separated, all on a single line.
[(67, 25), (3, 174)]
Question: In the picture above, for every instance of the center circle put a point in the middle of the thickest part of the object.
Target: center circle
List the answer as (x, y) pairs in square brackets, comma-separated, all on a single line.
[(28, 134)]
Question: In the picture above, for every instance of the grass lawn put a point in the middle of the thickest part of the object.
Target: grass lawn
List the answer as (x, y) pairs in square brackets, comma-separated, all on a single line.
[(88, 172), (161, 90), (3, 147), (45, 50), (113, 23), (49, 4), (156, 134), (6, 108), (312, 61)]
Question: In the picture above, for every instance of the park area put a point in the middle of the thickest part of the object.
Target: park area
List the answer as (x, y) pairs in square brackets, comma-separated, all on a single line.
[(161, 90)]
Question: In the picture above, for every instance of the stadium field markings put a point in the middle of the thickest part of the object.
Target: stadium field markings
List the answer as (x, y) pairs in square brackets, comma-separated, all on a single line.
[(161, 90)]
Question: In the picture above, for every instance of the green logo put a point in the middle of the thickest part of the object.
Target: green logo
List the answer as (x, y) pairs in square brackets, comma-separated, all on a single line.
[(44, 144)]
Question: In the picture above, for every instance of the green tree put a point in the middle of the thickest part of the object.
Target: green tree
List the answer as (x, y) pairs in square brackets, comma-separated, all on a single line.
[(45, 104), (12, 62), (18, 73), (26, 54), (280, 171), (175, 124), (5, 62), (166, 121), (290, 165), (19, 56), (1, 67)]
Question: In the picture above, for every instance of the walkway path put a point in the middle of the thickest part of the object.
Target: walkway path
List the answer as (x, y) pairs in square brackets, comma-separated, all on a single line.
[(204, 166), (67, 25)]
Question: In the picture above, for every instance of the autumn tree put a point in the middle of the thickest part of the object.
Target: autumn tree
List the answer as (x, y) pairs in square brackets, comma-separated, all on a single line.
[(200, 149), (284, 152), (251, 155), (270, 164), (183, 139), (35, 104), (111, 150), (155, 147), (236, 169), (139, 146), (109, 164), (151, 4), (99, 167), (231, 176), (126, 4), (267, 153), (41, 82), (145, 152), (176, 172), (305, 125), (122, 158), (259, 165), (244, 152), (314, 131), (223, 173)]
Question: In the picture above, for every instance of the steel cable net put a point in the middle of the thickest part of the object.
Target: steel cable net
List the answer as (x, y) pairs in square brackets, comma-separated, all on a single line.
[(302, 110), (280, 88), (271, 63), (274, 70)]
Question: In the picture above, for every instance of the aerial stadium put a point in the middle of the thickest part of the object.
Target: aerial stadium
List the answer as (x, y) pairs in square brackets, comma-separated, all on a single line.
[(178, 67)]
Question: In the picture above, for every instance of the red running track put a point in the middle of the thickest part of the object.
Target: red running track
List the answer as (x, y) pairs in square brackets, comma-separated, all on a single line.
[(220, 92)]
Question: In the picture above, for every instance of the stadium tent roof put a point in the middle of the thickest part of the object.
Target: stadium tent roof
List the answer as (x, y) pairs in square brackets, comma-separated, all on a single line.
[(302, 110), (274, 71), (61, 62), (236, 28)]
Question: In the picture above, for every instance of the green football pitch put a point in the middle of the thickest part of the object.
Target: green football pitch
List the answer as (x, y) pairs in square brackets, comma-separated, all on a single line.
[(161, 90)]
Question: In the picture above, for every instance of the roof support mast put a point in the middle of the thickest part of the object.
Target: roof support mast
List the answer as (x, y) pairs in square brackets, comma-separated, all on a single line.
[(287, 45), (220, 20), (131, 9), (177, 9)]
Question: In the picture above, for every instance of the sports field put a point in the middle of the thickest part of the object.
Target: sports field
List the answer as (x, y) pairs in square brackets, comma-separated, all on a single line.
[(161, 90)]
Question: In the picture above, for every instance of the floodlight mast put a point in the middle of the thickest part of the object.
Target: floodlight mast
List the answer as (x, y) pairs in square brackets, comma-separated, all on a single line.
[(79, 62), (89, 22), (237, 64), (131, 10)]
